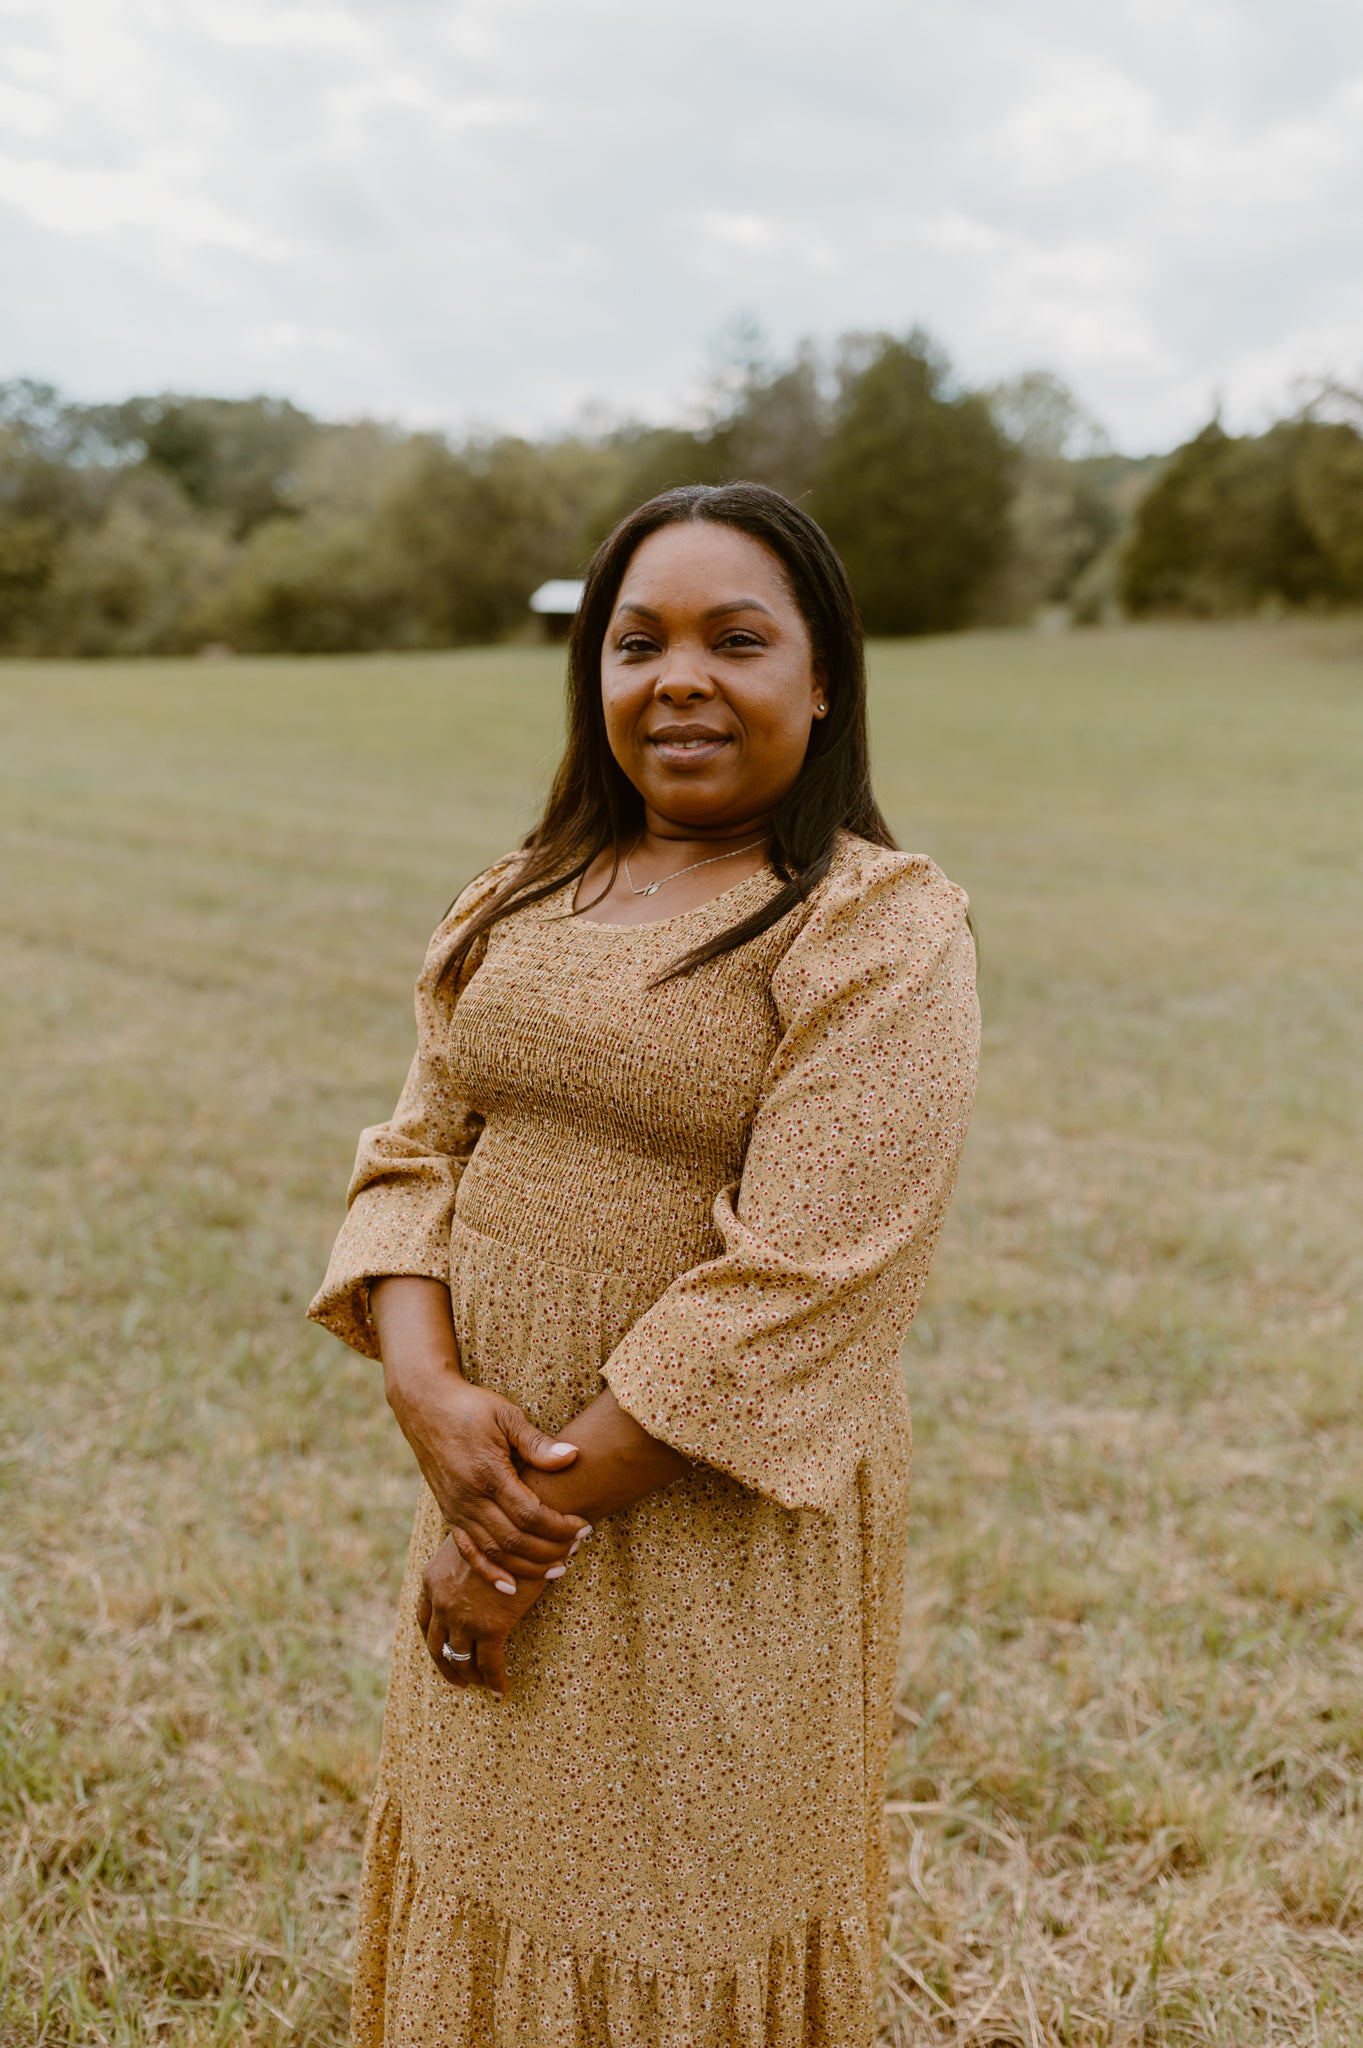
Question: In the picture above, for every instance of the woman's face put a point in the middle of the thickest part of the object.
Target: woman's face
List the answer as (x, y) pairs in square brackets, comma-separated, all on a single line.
[(708, 679)]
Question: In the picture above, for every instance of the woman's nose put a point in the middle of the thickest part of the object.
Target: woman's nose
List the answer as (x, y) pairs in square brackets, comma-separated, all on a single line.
[(683, 681)]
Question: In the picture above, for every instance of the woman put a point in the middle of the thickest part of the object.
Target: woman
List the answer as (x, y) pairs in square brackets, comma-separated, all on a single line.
[(692, 1078)]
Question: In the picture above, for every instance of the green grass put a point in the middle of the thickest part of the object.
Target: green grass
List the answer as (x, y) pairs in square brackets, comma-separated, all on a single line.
[(1125, 1796)]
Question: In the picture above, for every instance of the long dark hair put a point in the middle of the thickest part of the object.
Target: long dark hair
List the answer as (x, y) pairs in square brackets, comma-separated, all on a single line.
[(594, 806)]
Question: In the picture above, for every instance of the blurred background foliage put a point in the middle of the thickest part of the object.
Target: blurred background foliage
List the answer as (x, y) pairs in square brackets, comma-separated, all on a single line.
[(166, 524)]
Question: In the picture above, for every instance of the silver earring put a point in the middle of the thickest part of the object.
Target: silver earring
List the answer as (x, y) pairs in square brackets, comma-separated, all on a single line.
[(819, 710)]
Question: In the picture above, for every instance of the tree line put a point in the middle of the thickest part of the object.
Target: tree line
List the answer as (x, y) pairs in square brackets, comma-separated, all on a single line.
[(166, 524)]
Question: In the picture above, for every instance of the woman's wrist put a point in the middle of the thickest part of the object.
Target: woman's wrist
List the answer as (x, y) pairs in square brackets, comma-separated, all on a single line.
[(414, 1321), (407, 1372), (618, 1463)]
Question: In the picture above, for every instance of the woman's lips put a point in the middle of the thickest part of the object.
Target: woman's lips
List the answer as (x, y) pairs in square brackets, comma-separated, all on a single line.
[(692, 751)]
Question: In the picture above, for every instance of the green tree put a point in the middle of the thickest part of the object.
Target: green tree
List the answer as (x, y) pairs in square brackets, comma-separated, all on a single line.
[(319, 584), (145, 578), (1066, 511), (761, 419), (30, 548), (237, 457), (476, 528), (775, 427), (52, 484), (650, 459), (1328, 486), (914, 487), (1234, 522)]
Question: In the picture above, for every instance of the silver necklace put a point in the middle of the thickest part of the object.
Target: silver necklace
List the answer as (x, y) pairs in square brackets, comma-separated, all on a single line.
[(652, 888)]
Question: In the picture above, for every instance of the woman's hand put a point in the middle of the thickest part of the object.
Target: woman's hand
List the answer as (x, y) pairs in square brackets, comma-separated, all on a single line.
[(457, 1610), (469, 1442)]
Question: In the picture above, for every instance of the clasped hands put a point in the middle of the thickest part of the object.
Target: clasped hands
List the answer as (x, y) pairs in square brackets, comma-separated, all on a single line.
[(473, 1447), (505, 1545)]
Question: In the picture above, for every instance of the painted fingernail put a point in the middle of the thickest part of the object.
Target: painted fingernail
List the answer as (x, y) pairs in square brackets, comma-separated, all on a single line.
[(506, 1585), (556, 1571), (560, 1450)]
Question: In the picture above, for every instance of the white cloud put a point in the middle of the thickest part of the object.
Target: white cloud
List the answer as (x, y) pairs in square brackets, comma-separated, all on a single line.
[(721, 232), (1084, 115), (24, 112), (265, 25), (155, 197), (1081, 298), (495, 209)]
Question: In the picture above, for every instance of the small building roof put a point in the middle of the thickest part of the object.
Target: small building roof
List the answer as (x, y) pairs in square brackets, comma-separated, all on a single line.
[(558, 598)]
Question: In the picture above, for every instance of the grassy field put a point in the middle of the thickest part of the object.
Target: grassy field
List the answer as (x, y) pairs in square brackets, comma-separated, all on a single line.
[(1126, 1791)]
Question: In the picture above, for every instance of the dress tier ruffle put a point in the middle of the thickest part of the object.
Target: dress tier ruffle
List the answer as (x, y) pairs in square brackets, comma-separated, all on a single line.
[(471, 1975), (718, 1196)]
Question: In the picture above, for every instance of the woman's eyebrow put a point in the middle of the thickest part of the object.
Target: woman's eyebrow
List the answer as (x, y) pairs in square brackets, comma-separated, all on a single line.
[(739, 604), (716, 611)]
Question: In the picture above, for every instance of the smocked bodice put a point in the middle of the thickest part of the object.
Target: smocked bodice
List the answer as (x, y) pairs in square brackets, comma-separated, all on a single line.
[(613, 1110)]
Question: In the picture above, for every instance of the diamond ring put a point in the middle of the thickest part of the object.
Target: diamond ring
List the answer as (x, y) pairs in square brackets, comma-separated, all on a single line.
[(454, 1656)]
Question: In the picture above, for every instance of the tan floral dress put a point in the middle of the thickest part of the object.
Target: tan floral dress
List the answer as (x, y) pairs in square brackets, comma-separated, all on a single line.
[(720, 1196)]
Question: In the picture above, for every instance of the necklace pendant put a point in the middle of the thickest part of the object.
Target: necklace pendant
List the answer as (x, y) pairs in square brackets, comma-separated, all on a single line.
[(652, 888)]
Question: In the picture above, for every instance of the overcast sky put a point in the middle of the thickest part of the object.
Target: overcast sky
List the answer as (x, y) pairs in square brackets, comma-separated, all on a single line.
[(497, 210)]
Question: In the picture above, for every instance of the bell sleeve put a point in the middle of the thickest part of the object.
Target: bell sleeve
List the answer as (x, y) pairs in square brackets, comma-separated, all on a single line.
[(400, 1203), (775, 1361)]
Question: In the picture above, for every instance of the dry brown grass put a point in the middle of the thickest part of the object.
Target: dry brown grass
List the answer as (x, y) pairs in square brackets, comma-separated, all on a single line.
[(1125, 1798)]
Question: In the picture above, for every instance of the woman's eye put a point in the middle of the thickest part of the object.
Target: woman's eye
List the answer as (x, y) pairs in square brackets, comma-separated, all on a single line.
[(741, 638), (634, 643)]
